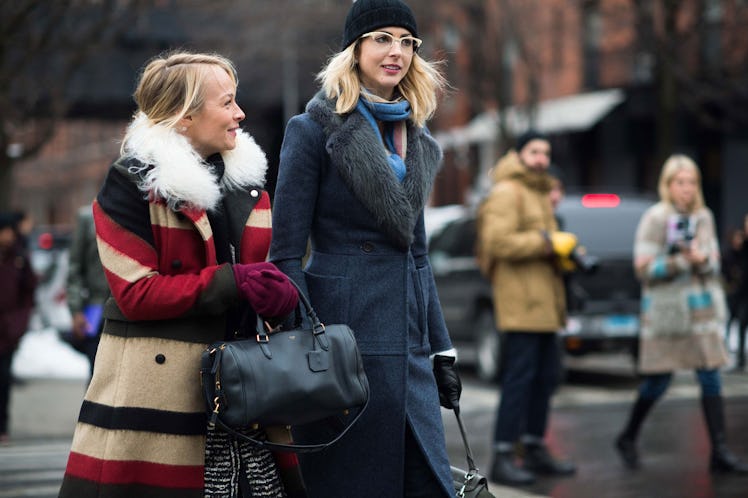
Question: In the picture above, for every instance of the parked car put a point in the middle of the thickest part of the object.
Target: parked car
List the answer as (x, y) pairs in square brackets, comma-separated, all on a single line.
[(603, 303)]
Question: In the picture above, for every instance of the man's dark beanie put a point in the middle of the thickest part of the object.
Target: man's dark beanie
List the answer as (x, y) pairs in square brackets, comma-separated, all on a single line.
[(528, 136), (369, 15)]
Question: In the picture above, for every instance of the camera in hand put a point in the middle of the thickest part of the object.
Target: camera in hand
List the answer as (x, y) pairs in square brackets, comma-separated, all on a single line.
[(583, 261), (680, 233)]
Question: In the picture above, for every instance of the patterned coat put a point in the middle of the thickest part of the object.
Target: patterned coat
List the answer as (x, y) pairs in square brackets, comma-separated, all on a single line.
[(369, 269), (683, 307), (141, 429), (528, 290)]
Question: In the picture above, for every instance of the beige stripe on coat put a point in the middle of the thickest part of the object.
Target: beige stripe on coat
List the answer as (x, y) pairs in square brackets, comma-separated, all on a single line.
[(173, 385), (124, 445), (121, 264)]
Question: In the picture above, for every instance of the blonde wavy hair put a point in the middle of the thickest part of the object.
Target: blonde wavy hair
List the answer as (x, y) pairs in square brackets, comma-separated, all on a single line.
[(672, 165), (172, 85), (340, 80)]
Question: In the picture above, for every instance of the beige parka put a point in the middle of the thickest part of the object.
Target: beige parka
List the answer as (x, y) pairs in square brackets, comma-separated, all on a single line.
[(528, 291)]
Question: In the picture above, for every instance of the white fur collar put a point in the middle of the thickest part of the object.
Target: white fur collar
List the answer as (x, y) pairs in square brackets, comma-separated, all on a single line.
[(180, 175)]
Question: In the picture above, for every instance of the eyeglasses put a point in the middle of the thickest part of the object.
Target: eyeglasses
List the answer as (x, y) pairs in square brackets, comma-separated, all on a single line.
[(384, 41)]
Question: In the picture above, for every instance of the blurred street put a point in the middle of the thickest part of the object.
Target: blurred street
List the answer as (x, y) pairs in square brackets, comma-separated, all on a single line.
[(589, 410)]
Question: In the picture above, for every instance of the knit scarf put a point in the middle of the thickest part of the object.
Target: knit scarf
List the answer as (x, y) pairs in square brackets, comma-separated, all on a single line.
[(393, 116)]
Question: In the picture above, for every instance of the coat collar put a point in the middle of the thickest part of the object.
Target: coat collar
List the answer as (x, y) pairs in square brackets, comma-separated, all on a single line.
[(510, 167), (358, 155), (173, 171)]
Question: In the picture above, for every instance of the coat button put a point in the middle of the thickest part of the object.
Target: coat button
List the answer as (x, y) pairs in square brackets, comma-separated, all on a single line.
[(176, 264), (160, 359), (254, 193), (367, 246)]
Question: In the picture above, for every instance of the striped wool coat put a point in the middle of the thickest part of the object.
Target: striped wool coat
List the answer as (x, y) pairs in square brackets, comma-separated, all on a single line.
[(141, 429)]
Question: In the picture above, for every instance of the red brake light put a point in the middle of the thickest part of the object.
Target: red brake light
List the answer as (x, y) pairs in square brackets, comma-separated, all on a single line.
[(46, 241), (600, 200)]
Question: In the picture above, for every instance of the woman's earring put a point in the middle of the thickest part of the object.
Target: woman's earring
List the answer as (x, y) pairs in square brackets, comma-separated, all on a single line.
[(183, 129)]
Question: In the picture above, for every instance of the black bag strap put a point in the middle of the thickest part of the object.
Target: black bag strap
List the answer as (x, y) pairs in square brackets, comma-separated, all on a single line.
[(472, 472)]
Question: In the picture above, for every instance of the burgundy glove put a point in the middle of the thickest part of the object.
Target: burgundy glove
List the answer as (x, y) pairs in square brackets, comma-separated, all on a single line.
[(266, 288)]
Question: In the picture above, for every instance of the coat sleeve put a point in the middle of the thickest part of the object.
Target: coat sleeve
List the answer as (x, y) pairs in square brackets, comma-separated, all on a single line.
[(500, 236), (131, 261), (301, 157)]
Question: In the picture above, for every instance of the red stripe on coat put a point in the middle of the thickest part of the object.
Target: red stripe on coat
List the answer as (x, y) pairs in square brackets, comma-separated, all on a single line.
[(255, 242), (161, 295), (115, 235), (134, 472)]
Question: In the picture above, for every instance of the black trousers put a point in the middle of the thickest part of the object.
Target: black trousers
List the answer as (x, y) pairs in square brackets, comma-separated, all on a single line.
[(6, 379), (530, 374), (420, 481)]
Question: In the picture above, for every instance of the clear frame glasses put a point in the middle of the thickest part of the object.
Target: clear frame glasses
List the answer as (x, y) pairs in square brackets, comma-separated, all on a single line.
[(384, 41)]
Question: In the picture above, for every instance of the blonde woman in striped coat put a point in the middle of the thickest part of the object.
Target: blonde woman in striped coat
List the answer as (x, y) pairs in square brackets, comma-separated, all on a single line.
[(183, 230)]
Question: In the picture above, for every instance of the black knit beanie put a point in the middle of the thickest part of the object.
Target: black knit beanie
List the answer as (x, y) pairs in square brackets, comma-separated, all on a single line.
[(369, 15), (528, 136)]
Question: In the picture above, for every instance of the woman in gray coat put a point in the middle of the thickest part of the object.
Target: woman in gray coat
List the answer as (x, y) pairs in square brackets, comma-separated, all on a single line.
[(355, 173)]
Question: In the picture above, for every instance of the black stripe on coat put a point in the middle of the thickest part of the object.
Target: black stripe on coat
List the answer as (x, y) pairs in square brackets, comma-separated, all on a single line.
[(142, 419), (201, 329), (74, 487)]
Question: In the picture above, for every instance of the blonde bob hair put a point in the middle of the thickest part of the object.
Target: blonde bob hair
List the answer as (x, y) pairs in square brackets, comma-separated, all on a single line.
[(340, 80), (172, 85), (673, 165)]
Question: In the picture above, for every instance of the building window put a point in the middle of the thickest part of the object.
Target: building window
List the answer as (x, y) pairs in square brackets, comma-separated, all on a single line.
[(592, 33)]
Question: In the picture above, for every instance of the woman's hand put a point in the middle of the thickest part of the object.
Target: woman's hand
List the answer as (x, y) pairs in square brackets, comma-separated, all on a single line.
[(266, 288), (693, 254)]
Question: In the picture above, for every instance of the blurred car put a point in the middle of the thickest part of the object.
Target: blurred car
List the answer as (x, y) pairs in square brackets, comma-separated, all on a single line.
[(49, 254), (603, 302)]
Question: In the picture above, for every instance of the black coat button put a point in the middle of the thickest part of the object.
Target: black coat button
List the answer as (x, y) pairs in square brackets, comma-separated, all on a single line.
[(160, 359), (176, 264), (367, 246)]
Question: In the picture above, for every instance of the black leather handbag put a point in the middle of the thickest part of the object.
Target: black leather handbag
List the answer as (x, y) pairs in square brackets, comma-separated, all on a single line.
[(285, 378), (468, 483)]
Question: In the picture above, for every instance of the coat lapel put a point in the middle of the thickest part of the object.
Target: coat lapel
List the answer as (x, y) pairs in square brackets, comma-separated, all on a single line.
[(358, 155)]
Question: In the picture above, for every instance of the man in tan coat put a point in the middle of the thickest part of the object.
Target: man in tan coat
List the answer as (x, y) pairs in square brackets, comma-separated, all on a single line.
[(520, 249)]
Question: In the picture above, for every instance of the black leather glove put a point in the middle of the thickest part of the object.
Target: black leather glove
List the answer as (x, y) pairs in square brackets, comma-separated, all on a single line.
[(447, 381)]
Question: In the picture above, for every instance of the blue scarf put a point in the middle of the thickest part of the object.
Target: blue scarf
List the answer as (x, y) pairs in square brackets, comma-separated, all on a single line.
[(388, 113)]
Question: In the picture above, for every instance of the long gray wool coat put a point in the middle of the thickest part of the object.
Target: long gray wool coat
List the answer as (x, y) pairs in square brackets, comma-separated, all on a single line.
[(368, 268)]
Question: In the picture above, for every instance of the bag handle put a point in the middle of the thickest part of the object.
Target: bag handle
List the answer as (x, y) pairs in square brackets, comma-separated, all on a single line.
[(472, 472)]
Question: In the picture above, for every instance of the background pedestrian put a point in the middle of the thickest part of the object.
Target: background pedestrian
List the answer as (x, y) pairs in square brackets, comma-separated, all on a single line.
[(520, 249), (87, 288), (355, 172), (739, 307), (17, 285), (677, 259)]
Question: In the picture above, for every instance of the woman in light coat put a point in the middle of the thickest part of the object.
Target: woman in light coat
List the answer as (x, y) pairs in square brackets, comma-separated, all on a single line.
[(183, 230), (677, 258), (355, 172)]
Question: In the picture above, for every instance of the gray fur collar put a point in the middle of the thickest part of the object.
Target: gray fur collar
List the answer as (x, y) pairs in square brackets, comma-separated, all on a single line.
[(173, 171), (356, 152)]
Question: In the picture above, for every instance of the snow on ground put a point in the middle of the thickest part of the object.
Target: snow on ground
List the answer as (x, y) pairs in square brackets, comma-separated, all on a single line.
[(41, 354)]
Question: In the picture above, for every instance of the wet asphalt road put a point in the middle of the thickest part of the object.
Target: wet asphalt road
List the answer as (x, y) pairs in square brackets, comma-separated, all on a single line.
[(589, 410)]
